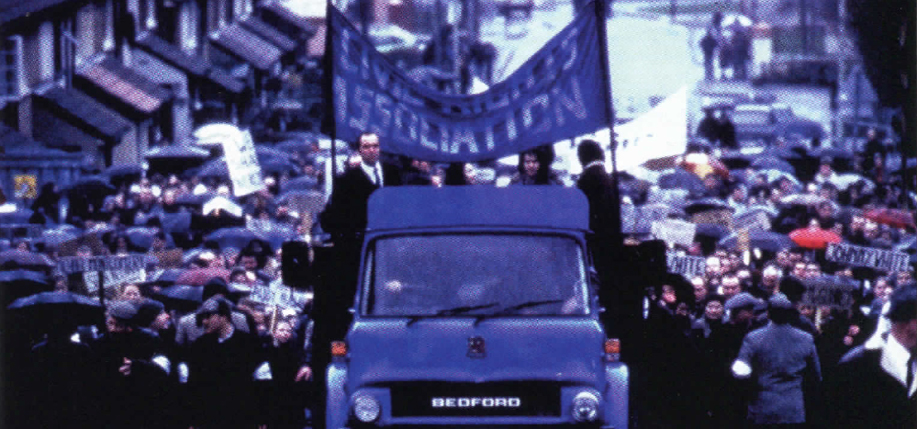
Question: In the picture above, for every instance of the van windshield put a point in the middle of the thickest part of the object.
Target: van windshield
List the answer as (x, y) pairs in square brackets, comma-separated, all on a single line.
[(475, 275)]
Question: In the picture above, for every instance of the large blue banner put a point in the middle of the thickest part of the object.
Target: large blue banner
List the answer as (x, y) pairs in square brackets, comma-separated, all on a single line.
[(557, 94)]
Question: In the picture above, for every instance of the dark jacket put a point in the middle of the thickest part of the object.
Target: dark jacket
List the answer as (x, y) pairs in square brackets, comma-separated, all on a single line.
[(598, 186), (345, 214), (221, 378), (863, 395)]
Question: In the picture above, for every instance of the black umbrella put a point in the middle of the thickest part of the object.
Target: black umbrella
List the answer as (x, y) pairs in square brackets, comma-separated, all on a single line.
[(278, 166), (19, 283), (736, 160), (141, 237), (93, 187), (711, 230), (60, 308), (681, 179), (175, 158), (706, 204), (266, 152), (123, 172), (236, 237), (300, 183), (18, 259), (181, 297), (772, 163), (290, 146), (194, 200), (215, 169), (764, 240), (788, 152)]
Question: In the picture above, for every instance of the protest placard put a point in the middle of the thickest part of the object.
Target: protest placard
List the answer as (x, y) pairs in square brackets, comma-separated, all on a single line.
[(675, 231), (717, 217), (752, 221), (242, 161), (829, 291), (859, 256), (75, 264), (686, 265)]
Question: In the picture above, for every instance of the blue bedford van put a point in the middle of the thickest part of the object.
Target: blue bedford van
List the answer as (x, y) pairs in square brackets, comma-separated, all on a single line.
[(476, 307)]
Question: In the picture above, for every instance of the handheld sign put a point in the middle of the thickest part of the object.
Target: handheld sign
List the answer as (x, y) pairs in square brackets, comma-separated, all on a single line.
[(242, 162), (75, 264), (829, 291), (675, 231), (687, 266), (859, 256)]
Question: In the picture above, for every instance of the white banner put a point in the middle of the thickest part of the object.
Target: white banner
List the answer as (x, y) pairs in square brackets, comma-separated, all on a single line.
[(661, 132), (242, 162), (859, 256)]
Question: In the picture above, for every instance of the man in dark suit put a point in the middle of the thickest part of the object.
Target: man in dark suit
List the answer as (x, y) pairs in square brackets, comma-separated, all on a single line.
[(873, 386), (783, 363), (345, 219)]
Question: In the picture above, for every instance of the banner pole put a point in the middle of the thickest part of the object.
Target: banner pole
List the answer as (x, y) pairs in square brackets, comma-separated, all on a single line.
[(331, 121), (600, 9)]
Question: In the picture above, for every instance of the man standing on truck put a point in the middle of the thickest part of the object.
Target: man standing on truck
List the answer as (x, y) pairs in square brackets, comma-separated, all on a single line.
[(345, 219)]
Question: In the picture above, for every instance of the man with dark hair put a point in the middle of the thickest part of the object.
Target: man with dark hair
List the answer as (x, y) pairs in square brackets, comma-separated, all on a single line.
[(784, 362), (599, 188), (873, 386)]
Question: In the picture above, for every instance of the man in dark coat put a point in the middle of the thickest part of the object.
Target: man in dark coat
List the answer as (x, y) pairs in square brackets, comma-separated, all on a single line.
[(783, 363), (222, 367), (345, 219), (873, 387), (134, 380)]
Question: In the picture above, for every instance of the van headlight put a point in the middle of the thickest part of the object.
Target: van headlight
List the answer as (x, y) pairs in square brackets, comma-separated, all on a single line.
[(366, 409), (585, 407)]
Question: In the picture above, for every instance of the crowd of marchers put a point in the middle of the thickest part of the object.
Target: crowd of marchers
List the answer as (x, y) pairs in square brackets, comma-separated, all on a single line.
[(189, 343)]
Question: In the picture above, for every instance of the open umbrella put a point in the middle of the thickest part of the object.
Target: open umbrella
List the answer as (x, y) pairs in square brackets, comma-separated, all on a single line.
[(141, 237), (279, 166), (56, 236), (772, 163), (175, 158), (92, 187), (62, 308), (892, 217), (302, 183), (18, 259), (200, 276), (214, 169), (194, 201), (183, 298), (810, 200), (844, 181), (736, 160), (123, 172), (302, 201), (814, 237), (706, 204), (221, 202), (167, 277), (682, 179), (236, 237), (19, 283), (765, 240)]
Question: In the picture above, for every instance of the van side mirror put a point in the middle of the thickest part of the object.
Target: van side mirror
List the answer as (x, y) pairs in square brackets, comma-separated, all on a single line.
[(296, 265)]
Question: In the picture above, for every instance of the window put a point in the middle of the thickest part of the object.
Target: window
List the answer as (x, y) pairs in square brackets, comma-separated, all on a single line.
[(10, 65), (423, 275), (190, 22)]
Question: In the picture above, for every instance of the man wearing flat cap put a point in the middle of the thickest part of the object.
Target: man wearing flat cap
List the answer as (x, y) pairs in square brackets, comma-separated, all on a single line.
[(222, 369), (135, 371), (874, 383), (783, 363)]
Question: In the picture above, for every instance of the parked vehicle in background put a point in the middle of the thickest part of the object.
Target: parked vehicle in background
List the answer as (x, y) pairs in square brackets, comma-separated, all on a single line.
[(765, 122), (403, 48)]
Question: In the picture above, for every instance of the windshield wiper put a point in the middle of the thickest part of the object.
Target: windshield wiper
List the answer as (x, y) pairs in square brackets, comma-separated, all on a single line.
[(452, 311), (514, 308)]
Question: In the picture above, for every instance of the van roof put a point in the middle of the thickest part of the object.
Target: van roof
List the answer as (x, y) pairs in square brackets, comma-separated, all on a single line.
[(400, 207)]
